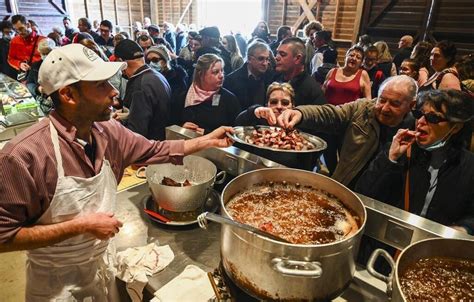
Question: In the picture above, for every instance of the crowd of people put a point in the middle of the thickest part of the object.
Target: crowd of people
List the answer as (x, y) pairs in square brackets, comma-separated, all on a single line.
[(199, 79), (398, 128)]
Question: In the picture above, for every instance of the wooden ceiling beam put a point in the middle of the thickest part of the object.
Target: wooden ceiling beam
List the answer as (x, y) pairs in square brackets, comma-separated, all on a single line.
[(303, 16)]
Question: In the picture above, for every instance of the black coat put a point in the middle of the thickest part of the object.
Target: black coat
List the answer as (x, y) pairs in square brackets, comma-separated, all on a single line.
[(403, 54), (180, 41), (307, 89), (221, 52), (248, 90), (148, 97), (209, 116), (453, 200)]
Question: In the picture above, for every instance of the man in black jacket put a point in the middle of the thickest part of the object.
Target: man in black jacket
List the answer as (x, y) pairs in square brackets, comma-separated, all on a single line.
[(249, 83), (290, 62), (405, 46), (147, 95), (211, 44)]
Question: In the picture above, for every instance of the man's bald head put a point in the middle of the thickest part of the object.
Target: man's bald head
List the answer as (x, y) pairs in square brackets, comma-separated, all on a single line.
[(405, 41), (396, 99)]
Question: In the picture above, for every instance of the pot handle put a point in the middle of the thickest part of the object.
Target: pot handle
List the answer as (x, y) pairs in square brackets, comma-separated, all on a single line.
[(371, 270), (220, 178), (310, 269), (139, 170)]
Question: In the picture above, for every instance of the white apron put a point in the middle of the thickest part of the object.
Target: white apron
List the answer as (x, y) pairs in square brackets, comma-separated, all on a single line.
[(74, 269)]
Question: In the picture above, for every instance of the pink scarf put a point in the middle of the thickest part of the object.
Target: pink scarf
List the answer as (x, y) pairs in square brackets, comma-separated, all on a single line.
[(196, 96)]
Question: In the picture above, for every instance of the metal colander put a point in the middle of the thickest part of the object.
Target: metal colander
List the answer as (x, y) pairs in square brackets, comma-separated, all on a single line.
[(197, 170)]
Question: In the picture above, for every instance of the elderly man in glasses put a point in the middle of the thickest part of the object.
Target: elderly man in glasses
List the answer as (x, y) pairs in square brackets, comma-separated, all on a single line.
[(364, 125), (249, 83)]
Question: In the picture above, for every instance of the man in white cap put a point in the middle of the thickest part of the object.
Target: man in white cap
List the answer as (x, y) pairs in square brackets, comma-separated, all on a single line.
[(57, 196)]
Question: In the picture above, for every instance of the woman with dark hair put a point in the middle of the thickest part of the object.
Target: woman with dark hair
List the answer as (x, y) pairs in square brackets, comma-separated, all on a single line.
[(410, 68), (208, 105), (428, 171), (421, 53), (442, 59), (229, 43), (262, 32), (344, 85)]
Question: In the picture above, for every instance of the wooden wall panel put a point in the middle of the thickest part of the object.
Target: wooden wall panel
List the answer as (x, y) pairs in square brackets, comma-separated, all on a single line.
[(450, 20)]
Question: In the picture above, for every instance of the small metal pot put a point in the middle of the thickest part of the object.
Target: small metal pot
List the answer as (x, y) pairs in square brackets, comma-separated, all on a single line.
[(436, 247), (271, 270), (199, 171)]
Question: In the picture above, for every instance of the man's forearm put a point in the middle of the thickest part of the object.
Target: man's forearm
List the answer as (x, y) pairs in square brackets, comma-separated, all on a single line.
[(194, 145), (38, 236)]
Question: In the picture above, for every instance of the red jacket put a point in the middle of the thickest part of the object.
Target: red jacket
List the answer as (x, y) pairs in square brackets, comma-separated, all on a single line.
[(21, 49)]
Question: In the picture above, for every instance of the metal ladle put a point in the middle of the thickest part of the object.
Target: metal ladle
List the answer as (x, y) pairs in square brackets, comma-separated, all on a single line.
[(204, 217)]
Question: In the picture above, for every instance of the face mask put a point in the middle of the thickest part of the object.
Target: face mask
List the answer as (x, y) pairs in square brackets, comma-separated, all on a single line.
[(43, 57), (6, 37), (156, 66), (439, 144)]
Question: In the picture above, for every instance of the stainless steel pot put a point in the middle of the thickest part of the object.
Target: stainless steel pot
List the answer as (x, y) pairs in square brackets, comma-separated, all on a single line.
[(199, 171), (436, 247), (272, 270)]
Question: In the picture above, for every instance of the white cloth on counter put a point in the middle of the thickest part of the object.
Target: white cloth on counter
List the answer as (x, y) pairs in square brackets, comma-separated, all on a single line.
[(135, 264), (191, 285)]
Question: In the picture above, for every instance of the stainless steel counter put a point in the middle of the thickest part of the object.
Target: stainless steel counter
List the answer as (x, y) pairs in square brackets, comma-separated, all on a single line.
[(193, 245)]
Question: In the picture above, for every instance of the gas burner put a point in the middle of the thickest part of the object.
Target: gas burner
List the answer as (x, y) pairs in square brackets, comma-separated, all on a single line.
[(225, 289)]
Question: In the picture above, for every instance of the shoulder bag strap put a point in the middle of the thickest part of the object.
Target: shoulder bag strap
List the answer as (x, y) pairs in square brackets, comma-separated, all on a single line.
[(406, 206), (33, 52)]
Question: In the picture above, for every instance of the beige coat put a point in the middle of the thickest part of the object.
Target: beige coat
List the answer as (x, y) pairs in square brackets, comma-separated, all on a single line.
[(360, 129)]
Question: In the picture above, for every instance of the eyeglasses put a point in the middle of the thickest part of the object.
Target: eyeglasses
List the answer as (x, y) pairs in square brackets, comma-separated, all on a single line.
[(430, 117), (284, 103), (262, 59)]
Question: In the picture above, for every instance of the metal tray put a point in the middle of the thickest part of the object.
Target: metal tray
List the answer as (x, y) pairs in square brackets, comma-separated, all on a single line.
[(241, 131)]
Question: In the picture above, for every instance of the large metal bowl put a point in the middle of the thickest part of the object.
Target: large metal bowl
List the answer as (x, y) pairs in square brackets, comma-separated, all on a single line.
[(434, 247), (272, 270), (199, 171)]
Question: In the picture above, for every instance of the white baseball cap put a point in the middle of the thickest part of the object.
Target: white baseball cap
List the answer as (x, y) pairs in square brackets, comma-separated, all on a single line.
[(73, 63)]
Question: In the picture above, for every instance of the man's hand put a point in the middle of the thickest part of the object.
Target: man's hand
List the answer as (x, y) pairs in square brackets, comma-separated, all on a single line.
[(121, 114), (289, 118), (266, 113), (24, 66), (101, 225), (400, 143), (194, 127), (216, 138)]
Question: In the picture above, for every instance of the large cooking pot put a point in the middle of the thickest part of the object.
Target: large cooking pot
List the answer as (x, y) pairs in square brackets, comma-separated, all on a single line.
[(436, 247), (199, 171), (273, 270)]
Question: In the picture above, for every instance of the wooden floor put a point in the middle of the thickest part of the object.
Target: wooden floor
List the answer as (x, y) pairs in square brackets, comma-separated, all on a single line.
[(12, 276)]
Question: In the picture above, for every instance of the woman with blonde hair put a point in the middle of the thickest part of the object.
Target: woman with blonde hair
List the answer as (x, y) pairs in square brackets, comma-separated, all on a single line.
[(208, 105), (280, 97), (229, 43), (385, 60)]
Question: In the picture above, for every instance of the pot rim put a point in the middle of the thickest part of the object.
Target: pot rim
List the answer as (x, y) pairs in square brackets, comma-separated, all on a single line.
[(361, 228), (396, 276), (205, 183)]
